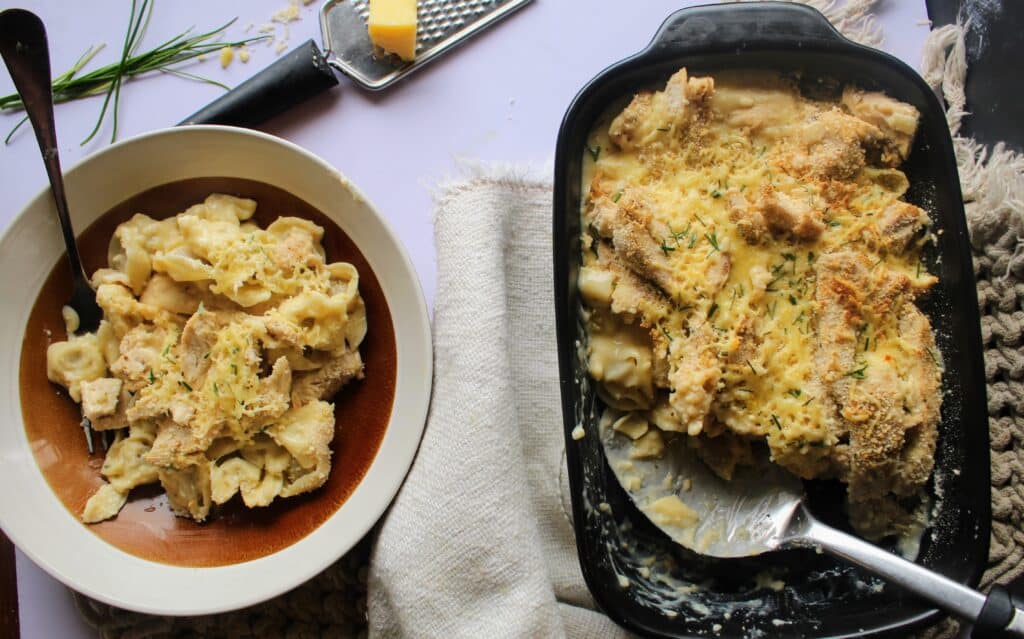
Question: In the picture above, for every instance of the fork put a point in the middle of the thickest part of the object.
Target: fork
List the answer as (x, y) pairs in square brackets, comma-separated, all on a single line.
[(24, 49), (25, 52)]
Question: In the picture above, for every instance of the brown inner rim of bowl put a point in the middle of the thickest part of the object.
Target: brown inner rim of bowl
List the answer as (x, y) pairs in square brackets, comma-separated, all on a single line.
[(146, 527)]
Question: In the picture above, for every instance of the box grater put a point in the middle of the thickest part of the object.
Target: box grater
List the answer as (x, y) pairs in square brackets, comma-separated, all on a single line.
[(443, 24), (306, 71)]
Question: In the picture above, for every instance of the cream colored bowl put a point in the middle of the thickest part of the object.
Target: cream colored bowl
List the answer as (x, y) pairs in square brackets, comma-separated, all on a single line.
[(32, 515)]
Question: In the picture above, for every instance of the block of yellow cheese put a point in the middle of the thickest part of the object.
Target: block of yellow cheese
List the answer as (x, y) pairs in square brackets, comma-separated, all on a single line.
[(392, 26)]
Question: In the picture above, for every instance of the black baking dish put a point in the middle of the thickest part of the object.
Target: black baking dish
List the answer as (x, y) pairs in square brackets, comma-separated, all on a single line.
[(822, 597)]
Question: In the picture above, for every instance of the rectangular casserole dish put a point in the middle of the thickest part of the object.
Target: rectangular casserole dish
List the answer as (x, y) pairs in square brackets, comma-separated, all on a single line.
[(796, 593)]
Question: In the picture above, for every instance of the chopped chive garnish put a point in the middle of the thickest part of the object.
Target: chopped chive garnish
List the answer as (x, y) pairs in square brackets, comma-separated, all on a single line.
[(693, 240), (681, 234), (234, 369), (789, 257), (206, 355), (795, 392), (666, 249), (712, 310), (185, 385), (857, 373), (663, 128), (595, 152), (215, 391), (664, 332), (775, 420), (152, 378), (809, 400), (934, 359), (752, 369), (792, 299), (712, 240), (617, 196), (810, 256), (702, 222)]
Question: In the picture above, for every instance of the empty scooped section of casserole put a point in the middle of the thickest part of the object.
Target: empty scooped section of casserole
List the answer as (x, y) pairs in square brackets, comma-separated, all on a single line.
[(750, 271)]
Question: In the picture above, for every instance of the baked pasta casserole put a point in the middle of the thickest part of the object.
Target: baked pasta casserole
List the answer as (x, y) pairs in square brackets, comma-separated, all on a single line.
[(222, 345), (749, 276)]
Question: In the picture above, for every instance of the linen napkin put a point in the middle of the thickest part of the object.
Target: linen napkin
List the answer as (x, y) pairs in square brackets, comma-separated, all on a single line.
[(479, 542)]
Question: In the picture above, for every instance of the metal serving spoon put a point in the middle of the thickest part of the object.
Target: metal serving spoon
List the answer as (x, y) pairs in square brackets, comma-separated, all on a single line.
[(24, 50), (762, 509)]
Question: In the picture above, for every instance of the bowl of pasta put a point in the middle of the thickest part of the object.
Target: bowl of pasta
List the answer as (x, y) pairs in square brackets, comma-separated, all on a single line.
[(239, 420)]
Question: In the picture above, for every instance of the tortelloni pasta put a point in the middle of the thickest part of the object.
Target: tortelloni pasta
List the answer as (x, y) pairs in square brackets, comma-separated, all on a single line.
[(749, 277), (221, 344)]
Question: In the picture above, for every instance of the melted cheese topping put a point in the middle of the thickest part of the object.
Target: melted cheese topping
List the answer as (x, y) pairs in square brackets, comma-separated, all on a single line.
[(707, 208), (220, 343)]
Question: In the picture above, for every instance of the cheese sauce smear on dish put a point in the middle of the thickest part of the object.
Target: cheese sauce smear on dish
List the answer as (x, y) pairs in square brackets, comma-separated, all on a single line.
[(232, 412), (749, 275)]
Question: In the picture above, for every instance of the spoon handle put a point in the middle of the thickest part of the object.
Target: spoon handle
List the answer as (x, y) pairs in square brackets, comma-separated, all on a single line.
[(993, 616), (24, 49)]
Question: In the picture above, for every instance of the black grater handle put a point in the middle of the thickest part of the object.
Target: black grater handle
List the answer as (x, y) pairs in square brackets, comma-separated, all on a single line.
[(298, 76), (734, 27)]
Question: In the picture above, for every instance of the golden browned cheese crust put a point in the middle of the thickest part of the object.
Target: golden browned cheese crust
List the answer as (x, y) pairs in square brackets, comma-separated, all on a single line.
[(752, 249)]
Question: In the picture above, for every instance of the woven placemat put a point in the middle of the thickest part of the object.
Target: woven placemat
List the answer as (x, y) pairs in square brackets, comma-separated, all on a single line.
[(333, 604)]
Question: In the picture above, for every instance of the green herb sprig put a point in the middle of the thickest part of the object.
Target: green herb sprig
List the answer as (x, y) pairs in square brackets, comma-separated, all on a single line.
[(108, 79), (857, 373)]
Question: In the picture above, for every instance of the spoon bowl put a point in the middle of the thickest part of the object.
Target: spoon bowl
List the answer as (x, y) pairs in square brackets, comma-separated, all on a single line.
[(761, 509), (746, 516)]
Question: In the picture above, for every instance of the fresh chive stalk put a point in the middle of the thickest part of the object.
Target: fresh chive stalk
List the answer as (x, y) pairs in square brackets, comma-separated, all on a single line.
[(107, 80)]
